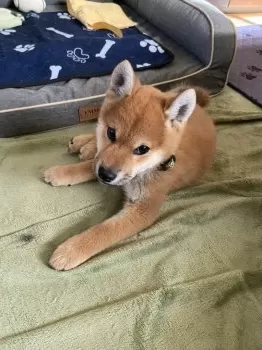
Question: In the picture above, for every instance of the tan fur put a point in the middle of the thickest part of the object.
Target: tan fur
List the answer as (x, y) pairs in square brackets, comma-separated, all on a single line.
[(139, 118), (203, 96)]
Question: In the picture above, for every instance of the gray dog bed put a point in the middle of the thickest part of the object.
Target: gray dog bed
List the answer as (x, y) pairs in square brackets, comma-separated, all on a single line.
[(200, 36)]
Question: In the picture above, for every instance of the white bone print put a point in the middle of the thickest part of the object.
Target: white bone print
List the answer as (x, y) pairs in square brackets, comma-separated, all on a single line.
[(143, 65), (66, 35), (105, 48), (54, 71)]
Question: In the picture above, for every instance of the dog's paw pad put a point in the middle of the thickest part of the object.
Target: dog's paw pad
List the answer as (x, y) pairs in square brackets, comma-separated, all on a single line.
[(59, 260), (73, 146), (67, 256), (84, 153), (77, 142), (87, 151), (56, 176)]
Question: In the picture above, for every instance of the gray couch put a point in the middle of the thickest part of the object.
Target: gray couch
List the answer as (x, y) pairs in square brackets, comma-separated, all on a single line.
[(200, 36)]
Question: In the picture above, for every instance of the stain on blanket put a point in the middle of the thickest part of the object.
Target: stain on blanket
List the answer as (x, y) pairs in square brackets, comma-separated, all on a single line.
[(26, 238)]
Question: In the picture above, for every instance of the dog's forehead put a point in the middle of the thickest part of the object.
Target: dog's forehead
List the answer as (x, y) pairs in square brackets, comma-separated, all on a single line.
[(139, 117), (145, 106)]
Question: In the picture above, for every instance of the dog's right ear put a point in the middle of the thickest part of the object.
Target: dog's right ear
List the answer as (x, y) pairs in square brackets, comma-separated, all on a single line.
[(181, 108), (123, 80)]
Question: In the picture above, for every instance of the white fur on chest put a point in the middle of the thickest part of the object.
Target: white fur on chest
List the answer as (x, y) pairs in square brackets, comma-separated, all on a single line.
[(134, 190)]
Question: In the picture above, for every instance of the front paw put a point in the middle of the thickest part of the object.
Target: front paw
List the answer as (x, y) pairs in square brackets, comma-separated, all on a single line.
[(87, 152), (77, 142), (73, 146), (57, 176), (68, 255)]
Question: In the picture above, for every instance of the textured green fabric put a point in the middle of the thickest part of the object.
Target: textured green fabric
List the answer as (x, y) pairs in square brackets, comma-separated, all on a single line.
[(191, 281)]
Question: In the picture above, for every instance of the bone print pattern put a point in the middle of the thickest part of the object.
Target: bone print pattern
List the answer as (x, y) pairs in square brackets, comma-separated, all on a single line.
[(105, 48), (143, 65), (65, 49), (54, 72), (66, 35)]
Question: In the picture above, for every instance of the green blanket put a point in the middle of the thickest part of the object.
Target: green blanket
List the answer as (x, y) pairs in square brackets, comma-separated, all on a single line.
[(192, 281)]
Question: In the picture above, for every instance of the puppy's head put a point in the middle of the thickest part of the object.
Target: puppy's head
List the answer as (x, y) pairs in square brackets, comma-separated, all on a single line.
[(138, 127)]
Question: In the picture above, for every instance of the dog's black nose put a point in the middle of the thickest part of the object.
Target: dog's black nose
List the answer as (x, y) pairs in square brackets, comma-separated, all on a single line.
[(106, 174)]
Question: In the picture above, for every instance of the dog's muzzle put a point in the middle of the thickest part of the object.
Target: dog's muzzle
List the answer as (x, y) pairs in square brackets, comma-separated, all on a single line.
[(106, 175)]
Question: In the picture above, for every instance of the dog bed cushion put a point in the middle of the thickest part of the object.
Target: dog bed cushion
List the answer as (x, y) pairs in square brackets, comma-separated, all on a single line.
[(201, 38), (53, 46), (191, 281)]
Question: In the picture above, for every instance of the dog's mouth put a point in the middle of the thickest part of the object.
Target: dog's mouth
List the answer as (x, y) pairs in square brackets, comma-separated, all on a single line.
[(110, 177), (104, 182), (117, 182)]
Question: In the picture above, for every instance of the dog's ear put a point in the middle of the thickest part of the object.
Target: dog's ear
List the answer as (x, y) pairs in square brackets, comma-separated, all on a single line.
[(181, 107), (123, 80)]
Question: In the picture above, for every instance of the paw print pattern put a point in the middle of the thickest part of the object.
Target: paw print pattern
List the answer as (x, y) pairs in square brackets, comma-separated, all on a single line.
[(254, 69), (152, 46), (248, 76), (78, 55), (7, 31), (64, 15), (32, 14), (24, 48)]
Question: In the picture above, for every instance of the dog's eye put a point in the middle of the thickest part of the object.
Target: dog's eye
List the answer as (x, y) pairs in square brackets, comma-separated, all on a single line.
[(143, 149), (111, 134)]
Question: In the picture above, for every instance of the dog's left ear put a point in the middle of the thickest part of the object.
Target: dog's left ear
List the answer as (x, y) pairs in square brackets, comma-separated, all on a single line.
[(123, 80), (181, 108)]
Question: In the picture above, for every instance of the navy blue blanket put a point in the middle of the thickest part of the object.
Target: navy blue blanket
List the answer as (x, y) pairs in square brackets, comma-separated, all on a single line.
[(54, 46)]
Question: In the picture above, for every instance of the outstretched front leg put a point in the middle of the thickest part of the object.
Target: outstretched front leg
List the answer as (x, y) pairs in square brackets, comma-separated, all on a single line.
[(133, 218), (73, 174)]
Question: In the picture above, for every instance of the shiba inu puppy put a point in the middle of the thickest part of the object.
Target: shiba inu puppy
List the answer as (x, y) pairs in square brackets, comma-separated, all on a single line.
[(149, 143)]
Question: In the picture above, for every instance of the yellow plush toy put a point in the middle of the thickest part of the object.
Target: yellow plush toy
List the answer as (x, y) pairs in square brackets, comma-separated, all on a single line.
[(97, 15), (9, 19)]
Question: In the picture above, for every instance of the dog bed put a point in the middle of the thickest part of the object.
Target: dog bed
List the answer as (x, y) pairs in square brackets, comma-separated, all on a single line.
[(200, 37), (191, 281), (53, 46)]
